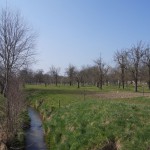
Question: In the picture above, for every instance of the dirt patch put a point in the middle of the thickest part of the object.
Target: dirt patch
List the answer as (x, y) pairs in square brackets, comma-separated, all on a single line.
[(110, 146), (117, 94)]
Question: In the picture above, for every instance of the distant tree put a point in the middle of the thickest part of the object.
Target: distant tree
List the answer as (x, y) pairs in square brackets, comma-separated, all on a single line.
[(54, 73), (24, 75), (101, 70), (27, 75), (113, 76), (146, 61), (46, 78), (120, 58), (39, 76), (78, 77), (64, 80), (84, 75), (135, 55), (71, 71)]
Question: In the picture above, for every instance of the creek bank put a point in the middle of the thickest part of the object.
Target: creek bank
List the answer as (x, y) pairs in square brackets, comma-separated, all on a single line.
[(17, 141)]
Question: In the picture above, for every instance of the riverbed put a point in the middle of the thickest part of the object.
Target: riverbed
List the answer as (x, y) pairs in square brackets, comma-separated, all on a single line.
[(35, 134)]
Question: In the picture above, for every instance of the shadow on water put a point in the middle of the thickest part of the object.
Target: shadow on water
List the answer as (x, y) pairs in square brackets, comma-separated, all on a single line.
[(35, 134)]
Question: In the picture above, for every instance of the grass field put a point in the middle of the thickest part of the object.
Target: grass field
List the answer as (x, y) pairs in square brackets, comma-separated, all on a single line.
[(81, 119)]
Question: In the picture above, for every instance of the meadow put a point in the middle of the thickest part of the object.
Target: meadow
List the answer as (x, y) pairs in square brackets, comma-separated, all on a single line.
[(92, 119)]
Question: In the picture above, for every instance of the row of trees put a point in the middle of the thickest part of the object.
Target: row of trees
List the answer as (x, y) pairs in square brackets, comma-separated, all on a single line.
[(132, 67), (136, 62)]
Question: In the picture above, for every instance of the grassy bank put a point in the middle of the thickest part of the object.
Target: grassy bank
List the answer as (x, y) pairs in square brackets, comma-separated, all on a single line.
[(17, 139), (77, 119), (18, 142)]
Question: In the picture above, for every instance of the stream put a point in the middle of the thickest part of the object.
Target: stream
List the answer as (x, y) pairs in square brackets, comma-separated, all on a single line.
[(35, 134)]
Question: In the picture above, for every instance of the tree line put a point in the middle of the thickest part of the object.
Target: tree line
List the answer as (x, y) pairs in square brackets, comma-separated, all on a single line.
[(132, 67)]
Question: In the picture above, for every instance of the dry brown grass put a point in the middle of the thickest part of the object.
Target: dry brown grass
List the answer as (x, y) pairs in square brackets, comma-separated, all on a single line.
[(115, 95)]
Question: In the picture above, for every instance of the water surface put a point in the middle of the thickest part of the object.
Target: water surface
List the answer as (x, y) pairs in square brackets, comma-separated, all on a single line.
[(35, 134)]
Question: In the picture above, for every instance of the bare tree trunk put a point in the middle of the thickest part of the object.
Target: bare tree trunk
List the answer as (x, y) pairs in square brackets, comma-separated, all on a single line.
[(56, 80), (78, 84), (119, 84), (101, 81), (122, 77), (136, 85)]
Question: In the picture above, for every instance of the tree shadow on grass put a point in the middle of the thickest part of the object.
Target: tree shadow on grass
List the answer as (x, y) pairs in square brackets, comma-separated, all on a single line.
[(60, 91)]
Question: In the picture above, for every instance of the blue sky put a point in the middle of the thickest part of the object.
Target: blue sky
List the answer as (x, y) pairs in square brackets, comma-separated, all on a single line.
[(78, 31)]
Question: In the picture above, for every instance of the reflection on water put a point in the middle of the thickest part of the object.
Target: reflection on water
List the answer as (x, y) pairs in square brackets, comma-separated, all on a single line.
[(35, 135)]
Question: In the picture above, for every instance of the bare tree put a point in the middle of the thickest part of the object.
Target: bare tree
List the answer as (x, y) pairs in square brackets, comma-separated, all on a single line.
[(113, 76), (121, 59), (16, 51), (146, 61), (71, 73), (46, 79), (85, 72), (54, 72), (39, 76), (16, 45), (78, 77), (101, 70), (135, 55)]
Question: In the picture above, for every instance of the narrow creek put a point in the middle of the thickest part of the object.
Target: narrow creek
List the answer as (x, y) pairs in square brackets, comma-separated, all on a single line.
[(35, 134)]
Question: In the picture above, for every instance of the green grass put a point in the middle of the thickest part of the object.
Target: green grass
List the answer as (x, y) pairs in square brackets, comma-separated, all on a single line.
[(86, 122), (135, 101), (94, 124), (52, 95)]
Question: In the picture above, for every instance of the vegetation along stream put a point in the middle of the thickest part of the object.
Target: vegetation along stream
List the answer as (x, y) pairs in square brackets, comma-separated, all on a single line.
[(35, 134)]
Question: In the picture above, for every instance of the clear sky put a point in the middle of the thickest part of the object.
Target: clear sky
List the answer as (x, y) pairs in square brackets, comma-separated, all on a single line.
[(77, 31)]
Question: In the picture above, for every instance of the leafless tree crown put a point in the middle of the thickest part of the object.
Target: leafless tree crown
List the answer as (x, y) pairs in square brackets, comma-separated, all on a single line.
[(16, 45), (16, 41)]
